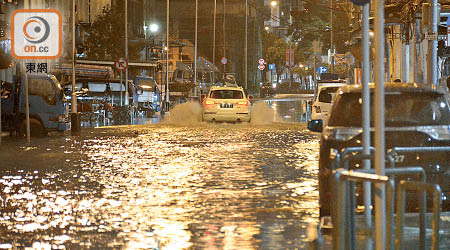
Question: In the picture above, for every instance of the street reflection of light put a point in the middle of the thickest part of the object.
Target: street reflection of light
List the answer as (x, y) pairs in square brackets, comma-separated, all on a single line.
[(238, 235), (164, 187)]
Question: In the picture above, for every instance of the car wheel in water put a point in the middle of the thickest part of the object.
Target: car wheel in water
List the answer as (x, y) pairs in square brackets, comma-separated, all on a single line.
[(36, 128)]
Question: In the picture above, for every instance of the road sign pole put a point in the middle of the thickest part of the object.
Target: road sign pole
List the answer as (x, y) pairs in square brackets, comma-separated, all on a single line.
[(380, 198), (121, 82), (167, 55), (366, 109), (126, 53), (27, 103)]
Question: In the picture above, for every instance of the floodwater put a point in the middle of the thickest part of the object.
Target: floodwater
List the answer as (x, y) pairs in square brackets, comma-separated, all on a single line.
[(177, 184)]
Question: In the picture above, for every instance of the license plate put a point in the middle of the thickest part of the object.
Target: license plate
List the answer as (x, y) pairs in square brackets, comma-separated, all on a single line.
[(226, 105)]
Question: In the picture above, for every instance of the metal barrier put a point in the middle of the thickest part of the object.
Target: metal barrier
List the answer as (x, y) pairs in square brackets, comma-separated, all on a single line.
[(348, 214), (341, 177), (391, 154), (430, 188), (390, 196)]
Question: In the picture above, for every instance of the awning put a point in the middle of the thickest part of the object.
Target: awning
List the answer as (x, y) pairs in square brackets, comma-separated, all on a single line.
[(85, 70)]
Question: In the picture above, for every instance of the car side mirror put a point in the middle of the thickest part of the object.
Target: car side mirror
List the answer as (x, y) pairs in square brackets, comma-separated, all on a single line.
[(250, 97), (315, 125)]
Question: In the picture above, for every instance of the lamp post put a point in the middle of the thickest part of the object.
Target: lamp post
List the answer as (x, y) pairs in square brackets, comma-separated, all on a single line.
[(195, 48), (126, 53), (167, 55), (223, 32), (214, 43), (246, 44)]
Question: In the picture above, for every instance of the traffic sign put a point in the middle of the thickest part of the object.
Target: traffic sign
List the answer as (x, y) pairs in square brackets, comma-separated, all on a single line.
[(224, 60), (261, 67), (322, 70), (360, 2), (121, 64), (430, 36), (261, 61)]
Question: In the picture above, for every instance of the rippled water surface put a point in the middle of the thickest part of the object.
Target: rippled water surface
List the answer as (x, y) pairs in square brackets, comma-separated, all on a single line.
[(172, 185)]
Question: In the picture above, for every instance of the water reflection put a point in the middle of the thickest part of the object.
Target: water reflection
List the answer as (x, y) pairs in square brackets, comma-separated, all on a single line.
[(196, 186)]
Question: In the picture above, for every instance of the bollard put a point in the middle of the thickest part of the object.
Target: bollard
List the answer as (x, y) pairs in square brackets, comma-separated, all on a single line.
[(75, 123)]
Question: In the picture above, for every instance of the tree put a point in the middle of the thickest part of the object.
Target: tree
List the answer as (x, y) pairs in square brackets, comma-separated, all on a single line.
[(274, 51), (313, 23), (106, 37)]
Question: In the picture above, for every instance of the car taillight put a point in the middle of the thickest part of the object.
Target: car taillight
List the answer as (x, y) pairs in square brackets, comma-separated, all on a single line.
[(209, 102), (245, 103)]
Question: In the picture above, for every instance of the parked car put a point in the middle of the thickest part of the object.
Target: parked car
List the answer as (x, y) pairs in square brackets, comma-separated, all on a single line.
[(226, 103), (415, 116), (322, 104)]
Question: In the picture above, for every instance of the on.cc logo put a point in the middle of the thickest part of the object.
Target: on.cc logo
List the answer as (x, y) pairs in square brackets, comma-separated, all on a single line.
[(36, 34), (36, 29)]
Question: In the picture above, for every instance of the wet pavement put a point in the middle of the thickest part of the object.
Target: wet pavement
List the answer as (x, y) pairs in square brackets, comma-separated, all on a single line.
[(179, 184), (172, 183)]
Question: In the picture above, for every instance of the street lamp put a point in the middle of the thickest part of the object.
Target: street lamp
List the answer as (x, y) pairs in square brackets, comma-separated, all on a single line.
[(274, 3), (154, 27)]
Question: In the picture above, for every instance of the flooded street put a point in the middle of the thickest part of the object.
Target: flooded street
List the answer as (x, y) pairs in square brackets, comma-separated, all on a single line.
[(178, 184)]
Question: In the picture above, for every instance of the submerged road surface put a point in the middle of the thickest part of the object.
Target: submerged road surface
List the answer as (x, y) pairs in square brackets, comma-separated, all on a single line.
[(179, 184)]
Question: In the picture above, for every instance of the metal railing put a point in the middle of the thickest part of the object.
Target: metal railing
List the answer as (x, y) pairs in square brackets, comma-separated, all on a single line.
[(344, 237), (418, 186)]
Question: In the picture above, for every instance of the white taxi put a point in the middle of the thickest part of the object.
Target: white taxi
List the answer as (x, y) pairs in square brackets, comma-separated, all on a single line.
[(226, 104)]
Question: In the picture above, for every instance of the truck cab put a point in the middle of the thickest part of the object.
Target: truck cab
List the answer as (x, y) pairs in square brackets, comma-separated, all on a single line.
[(148, 95), (48, 107)]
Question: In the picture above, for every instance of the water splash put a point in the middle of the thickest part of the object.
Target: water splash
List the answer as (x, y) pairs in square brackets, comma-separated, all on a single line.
[(263, 114), (191, 113), (184, 113)]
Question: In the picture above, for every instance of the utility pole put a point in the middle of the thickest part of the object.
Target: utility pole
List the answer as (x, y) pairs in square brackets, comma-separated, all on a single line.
[(195, 48), (432, 44), (331, 36), (126, 53), (75, 119), (167, 55), (380, 190), (223, 33), (366, 108), (214, 44), (246, 44)]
